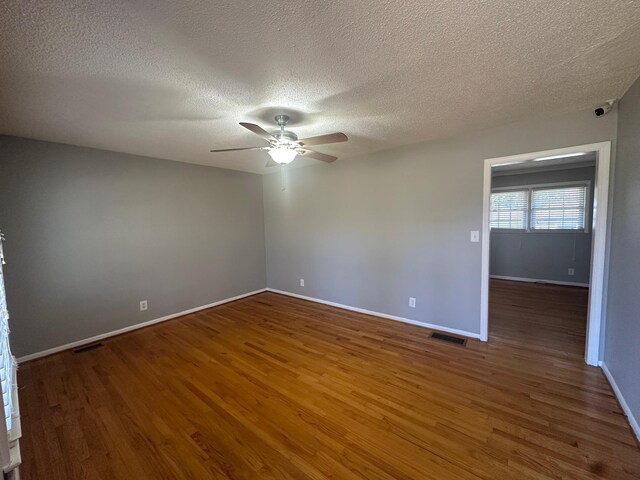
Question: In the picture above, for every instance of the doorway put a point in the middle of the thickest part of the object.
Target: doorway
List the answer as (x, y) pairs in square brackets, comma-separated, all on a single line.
[(532, 221)]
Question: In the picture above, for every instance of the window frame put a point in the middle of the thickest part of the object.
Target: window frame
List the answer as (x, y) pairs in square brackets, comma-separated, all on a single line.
[(547, 186)]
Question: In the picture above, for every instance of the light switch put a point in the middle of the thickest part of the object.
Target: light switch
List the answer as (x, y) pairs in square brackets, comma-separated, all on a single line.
[(475, 236)]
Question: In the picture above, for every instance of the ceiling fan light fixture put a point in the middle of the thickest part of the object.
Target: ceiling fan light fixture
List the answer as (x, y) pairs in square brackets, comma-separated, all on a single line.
[(282, 155), (284, 145)]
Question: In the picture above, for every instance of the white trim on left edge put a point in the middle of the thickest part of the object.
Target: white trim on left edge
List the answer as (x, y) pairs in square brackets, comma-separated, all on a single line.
[(623, 403), (130, 328), (431, 326)]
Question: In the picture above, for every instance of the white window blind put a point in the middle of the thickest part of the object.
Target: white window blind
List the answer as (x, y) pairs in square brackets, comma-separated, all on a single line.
[(510, 209), (559, 208), (6, 359), (9, 445)]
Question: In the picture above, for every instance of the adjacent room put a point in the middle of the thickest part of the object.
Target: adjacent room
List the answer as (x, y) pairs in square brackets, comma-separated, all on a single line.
[(541, 244), (320, 240)]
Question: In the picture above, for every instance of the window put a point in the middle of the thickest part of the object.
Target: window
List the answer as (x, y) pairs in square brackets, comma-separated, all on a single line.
[(510, 209), (10, 428), (6, 359), (557, 207)]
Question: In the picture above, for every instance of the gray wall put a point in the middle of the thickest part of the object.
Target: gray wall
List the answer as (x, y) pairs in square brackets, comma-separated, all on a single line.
[(543, 255), (90, 233), (371, 231), (622, 355)]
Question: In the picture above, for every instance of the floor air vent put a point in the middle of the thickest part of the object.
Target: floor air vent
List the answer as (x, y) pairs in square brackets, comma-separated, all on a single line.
[(86, 348), (449, 338)]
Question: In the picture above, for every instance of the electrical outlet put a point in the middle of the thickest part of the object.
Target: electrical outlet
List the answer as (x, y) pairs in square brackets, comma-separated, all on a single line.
[(412, 302), (143, 305), (571, 271), (302, 282)]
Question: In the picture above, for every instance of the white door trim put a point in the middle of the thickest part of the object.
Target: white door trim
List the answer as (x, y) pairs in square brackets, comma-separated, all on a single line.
[(598, 251)]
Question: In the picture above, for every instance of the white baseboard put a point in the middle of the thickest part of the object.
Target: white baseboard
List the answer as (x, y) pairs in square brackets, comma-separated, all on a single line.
[(130, 328), (378, 314), (539, 280), (623, 403)]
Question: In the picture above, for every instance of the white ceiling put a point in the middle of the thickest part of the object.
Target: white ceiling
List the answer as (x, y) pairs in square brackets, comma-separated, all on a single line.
[(580, 161), (172, 79)]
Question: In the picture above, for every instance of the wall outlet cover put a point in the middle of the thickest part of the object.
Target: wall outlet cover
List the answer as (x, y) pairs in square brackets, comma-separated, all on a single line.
[(475, 236), (412, 302), (302, 282), (143, 305)]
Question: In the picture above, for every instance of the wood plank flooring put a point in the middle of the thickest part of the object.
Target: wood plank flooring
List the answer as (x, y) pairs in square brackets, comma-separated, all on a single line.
[(551, 319), (279, 388)]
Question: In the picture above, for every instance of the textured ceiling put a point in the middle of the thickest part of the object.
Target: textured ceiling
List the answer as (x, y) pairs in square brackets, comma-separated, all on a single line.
[(172, 79)]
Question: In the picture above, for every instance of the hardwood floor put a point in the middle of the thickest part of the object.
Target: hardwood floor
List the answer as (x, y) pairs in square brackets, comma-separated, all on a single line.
[(275, 387), (549, 319)]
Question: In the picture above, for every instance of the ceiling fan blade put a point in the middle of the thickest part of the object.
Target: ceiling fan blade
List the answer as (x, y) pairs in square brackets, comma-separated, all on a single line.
[(258, 131), (271, 163), (323, 157), (322, 139), (237, 149)]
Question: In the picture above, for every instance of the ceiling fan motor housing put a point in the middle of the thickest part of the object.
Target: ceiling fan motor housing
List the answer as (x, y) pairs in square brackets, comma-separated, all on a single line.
[(284, 136)]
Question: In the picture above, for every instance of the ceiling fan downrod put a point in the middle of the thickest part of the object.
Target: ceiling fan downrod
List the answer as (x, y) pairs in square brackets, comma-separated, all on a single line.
[(282, 120)]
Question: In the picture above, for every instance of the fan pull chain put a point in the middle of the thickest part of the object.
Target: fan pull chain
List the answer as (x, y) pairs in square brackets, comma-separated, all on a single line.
[(283, 178)]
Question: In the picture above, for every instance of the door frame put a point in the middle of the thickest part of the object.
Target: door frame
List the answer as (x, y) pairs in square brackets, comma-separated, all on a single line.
[(598, 246)]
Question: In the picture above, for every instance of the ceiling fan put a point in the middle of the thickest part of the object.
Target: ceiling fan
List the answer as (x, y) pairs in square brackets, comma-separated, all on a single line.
[(284, 145)]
